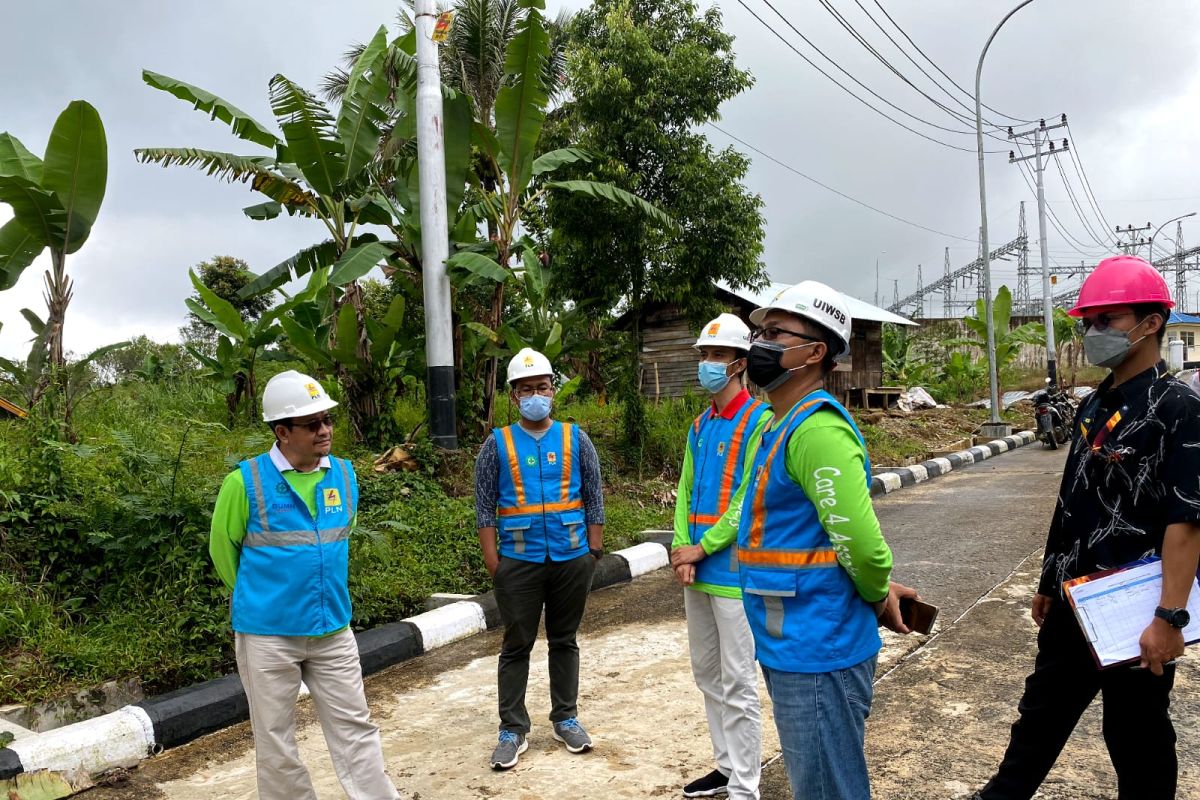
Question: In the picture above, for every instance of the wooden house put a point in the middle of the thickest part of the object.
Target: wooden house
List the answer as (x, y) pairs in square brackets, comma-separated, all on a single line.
[(669, 361)]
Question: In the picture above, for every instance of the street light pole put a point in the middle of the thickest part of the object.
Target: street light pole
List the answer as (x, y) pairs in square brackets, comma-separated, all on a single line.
[(1160, 227), (994, 427)]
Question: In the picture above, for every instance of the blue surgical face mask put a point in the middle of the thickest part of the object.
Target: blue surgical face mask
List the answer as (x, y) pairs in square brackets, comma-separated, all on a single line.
[(536, 407), (713, 376)]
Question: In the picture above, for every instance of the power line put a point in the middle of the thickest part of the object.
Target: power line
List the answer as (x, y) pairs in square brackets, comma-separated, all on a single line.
[(848, 91), (1087, 185), (863, 42), (829, 188), (858, 37), (1082, 247), (1075, 204), (939, 69)]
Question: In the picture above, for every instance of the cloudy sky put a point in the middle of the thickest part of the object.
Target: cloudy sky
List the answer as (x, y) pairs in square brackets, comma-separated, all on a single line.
[(1126, 74)]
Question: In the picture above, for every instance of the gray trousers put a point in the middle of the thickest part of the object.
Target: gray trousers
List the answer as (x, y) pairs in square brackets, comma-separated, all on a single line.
[(271, 668), (523, 588), (722, 648)]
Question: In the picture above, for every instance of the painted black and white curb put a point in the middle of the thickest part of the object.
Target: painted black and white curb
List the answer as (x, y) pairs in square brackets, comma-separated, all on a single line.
[(888, 482), (126, 736)]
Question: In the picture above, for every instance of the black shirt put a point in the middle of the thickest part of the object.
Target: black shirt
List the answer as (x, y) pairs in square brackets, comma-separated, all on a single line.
[(1123, 486)]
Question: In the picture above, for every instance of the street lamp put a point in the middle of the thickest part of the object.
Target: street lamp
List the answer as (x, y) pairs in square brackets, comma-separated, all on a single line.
[(994, 427), (1160, 227)]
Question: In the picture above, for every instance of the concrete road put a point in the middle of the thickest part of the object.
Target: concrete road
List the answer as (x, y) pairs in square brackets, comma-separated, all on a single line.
[(967, 540)]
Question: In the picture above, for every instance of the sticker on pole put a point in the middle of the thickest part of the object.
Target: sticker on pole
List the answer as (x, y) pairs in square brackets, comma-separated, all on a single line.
[(441, 28)]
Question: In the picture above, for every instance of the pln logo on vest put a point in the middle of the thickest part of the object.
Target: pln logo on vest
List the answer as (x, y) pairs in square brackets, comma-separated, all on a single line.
[(552, 458), (720, 448), (333, 501)]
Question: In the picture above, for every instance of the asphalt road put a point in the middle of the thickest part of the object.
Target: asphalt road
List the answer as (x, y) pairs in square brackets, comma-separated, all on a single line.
[(969, 541)]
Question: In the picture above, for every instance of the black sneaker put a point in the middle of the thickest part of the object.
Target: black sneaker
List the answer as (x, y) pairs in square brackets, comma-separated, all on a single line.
[(711, 785)]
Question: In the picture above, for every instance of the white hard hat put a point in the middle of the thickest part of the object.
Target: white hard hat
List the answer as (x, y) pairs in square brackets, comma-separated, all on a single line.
[(816, 302), (726, 330), (293, 394), (526, 363)]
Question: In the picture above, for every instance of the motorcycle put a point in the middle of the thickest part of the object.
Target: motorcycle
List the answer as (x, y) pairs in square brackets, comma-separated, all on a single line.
[(1054, 412)]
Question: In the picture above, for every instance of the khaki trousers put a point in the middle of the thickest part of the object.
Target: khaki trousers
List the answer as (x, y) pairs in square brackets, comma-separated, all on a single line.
[(722, 648), (271, 668)]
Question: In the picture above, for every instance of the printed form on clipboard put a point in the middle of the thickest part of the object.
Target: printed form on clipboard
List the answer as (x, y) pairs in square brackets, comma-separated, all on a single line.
[(1114, 607)]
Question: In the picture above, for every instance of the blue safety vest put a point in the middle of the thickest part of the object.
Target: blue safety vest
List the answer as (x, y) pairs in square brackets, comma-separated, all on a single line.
[(718, 448), (803, 608), (293, 570), (540, 508)]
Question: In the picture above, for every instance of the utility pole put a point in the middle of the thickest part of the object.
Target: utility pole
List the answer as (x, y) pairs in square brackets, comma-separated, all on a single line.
[(877, 281), (895, 291), (435, 236), (1131, 247), (1037, 133)]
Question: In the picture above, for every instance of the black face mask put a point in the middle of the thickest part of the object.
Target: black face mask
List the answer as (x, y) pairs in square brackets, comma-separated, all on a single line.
[(763, 365)]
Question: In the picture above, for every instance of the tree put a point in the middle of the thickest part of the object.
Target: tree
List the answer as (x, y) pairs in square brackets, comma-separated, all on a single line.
[(226, 276), (1009, 340), (642, 77), (55, 202), (324, 168)]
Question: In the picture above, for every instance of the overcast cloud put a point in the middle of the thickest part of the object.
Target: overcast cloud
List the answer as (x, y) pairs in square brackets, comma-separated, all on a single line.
[(1125, 73)]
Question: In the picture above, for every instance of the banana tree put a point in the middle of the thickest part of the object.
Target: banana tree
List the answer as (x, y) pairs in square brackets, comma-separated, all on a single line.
[(55, 202), (73, 381), (384, 370), (1009, 340), (324, 167), (239, 343), (510, 152)]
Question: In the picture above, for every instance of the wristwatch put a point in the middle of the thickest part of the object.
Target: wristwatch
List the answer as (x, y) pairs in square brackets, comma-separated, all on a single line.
[(1175, 617), (598, 553)]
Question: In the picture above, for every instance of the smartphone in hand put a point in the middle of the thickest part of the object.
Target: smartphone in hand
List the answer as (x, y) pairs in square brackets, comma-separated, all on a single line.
[(918, 615)]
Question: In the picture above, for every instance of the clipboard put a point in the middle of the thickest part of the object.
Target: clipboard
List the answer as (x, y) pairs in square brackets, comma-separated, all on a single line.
[(1114, 606)]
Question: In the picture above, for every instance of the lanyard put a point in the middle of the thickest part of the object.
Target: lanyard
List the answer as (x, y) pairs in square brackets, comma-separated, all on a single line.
[(1102, 434)]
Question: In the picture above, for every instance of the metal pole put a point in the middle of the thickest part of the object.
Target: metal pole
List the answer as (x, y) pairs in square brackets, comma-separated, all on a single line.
[(993, 378), (1160, 227), (435, 237), (1047, 300)]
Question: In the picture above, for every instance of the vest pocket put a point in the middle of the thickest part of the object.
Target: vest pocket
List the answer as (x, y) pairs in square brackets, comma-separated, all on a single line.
[(517, 528), (573, 522), (771, 587)]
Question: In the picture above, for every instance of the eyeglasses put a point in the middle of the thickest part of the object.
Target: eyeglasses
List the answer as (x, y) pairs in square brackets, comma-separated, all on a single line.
[(773, 332), (313, 426), (1100, 322), (530, 391)]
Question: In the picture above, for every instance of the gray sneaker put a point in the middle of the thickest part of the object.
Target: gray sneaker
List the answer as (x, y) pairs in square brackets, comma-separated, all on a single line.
[(509, 750), (572, 734)]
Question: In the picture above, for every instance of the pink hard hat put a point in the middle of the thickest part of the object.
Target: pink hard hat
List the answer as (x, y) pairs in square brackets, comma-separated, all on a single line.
[(1122, 281)]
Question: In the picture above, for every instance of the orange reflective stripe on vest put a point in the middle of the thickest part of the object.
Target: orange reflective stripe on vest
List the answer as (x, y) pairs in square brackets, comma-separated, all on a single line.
[(731, 460), (703, 519), (539, 508), (758, 509), (514, 468), (794, 559)]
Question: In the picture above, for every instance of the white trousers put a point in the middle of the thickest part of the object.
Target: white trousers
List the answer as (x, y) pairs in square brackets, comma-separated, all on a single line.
[(723, 664), (271, 668)]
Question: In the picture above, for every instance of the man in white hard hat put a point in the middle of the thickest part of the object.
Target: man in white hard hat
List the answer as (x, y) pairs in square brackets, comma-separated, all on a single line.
[(721, 442), (280, 542), (813, 565), (538, 494)]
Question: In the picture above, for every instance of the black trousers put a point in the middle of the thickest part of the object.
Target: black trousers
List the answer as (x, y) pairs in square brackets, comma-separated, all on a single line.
[(1065, 680), (523, 588)]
